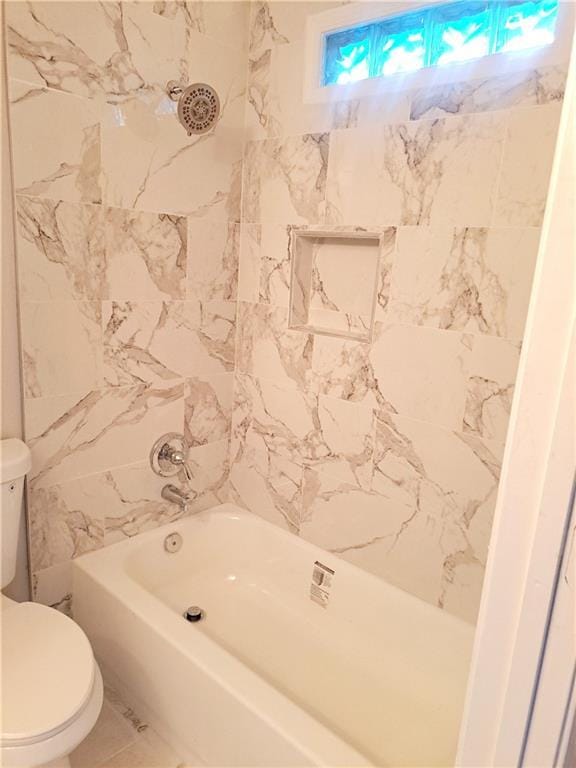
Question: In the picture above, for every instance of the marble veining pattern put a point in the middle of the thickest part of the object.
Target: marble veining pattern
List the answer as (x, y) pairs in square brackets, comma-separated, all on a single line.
[(468, 279), (412, 172), (154, 278), (285, 180), (518, 89), (61, 250), (57, 153)]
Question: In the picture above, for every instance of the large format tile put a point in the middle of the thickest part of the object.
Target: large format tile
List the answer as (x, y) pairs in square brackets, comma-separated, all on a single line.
[(55, 145), (450, 485), (61, 251), (526, 166), (266, 348), (213, 253), (303, 429), (61, 347), (224, 21), (516, 89), (113, 50), (491, 369), (285, 179), (424, 523), (475, 280), (420, 373), (150, 163), (146, 255), (53, 586), (250, 262), (426, 172), (64, 521), (266, 485), (274, 23), (71, 437), (161, 341), (208, 408)]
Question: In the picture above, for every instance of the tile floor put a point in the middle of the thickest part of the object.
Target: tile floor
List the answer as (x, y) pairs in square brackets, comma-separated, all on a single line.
[(120, 739)]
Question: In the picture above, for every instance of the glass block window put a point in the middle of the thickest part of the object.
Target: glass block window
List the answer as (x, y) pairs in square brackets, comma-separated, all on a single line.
[(437, 36)]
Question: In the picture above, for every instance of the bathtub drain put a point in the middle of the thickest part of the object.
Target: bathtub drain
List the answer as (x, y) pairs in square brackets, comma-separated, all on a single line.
[(193, 614)]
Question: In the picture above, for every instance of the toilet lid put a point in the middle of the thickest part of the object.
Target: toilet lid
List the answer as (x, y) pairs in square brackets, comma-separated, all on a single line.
[(47, 671)]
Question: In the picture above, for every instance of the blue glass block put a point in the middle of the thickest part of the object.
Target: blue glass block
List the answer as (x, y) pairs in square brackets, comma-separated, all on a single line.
[(525, 25), (461, 32), (347, 56), (400, 45)]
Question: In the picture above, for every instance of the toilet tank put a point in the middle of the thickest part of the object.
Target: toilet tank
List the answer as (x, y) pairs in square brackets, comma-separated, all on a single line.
[(15, 462)]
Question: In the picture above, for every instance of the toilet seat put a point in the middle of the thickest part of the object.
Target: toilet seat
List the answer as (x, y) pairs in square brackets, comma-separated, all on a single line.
[(51, 689)]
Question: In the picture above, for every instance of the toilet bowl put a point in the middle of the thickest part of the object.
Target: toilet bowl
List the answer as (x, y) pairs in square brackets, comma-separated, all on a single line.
[(51, 686)]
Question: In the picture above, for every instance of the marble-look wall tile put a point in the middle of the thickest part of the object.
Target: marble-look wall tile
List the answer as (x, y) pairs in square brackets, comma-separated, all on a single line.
[(303, 429), (275, 264), (476, 280), (53, 586), (273, 419), (420, 373), (342, 368), (413, 173), (129, 501), (65, 521), (71, 437), (266, 348), (61, 347), (517, 89), (146, 255), (450, 484), (347, 520), (113, 50), (209, 466), (266, 485), (250, 263), (278, 22), (526, 166), (285, 180), (146, 155), (162, 341), (61, 251), (55, 145), (491, 369), (208, 409), (224, 21), (275, 106), (424, 523), (213, 254)]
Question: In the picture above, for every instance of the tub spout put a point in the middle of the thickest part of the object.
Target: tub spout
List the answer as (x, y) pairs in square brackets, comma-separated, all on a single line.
[(176, 496)]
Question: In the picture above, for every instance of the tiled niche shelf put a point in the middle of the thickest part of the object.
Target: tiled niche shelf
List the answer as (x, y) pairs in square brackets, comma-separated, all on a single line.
[(334, 282)]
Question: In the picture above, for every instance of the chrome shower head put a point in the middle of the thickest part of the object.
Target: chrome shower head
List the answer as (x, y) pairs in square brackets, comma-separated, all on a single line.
[(198, 106)]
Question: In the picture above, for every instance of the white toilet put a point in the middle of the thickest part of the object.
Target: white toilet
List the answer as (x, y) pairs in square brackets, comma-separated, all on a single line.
[(51, 685)]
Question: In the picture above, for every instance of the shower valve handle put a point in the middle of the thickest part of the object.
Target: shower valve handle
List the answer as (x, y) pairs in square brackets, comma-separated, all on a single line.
[(175, 457), (170, 454)]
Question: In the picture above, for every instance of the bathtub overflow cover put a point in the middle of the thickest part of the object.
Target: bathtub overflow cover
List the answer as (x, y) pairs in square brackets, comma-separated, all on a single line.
[(194, 613)]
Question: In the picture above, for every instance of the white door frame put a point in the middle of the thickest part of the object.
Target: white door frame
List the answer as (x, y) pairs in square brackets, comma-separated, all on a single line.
[(533, 497)]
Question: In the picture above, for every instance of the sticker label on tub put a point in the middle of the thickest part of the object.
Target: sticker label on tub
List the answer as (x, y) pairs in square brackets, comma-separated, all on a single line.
[(321, 583)]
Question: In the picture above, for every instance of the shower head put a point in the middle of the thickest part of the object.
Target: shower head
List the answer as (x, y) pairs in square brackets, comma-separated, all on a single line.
[(198, 106)]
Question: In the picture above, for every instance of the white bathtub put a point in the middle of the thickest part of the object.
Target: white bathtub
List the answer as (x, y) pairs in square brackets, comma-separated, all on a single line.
[(270, 677)]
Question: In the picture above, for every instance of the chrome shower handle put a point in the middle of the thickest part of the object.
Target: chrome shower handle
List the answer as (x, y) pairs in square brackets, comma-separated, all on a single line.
[(169, 454), (175, 457)]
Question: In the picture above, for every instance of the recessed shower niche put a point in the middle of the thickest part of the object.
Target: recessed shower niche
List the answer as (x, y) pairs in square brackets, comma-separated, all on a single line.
[(334, 282)]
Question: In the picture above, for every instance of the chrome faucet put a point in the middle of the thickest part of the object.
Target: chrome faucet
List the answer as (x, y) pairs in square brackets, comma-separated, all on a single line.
[(174, 495)]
